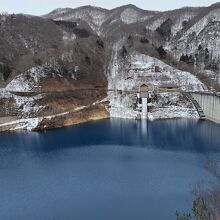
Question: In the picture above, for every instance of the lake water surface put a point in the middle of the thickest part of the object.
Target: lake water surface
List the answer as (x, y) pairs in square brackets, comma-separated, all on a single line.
[(107, 170)]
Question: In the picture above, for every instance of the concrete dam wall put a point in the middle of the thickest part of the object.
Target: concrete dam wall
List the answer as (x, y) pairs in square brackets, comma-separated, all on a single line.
[(210, 105)]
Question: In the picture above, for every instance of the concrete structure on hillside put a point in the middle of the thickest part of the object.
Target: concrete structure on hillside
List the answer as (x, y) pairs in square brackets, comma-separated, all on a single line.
[(143, 98)]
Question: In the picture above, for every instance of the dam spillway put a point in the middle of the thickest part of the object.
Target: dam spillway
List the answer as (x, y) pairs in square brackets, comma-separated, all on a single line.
[(144, 108)]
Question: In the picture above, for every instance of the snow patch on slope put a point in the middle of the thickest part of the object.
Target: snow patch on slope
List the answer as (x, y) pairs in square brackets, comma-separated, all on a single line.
[(68, 37), (214, 15), (155, 24), (178, 25), (129, 16), (204, 32), (27, 81), (28, 124), (28, 105), (173, 112), (5, 94)]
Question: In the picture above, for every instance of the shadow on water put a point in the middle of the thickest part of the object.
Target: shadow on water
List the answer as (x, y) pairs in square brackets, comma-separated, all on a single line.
[(173, 135)]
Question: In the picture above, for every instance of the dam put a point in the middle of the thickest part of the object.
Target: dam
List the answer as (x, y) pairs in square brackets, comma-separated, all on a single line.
[(210, 104)]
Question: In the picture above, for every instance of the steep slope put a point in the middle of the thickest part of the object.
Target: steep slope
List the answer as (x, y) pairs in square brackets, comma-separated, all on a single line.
[(202, 30), (179, 18)]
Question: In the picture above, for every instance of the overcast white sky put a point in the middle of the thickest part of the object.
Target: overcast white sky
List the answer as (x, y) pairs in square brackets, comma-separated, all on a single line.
[(40, 7)]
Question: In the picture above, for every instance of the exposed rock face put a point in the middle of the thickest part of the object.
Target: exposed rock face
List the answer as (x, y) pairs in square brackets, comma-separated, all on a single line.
[(70, 59)]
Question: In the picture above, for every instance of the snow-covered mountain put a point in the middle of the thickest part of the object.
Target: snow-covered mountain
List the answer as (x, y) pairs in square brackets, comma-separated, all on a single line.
[(183, 31), (99, 18), (74, 60)]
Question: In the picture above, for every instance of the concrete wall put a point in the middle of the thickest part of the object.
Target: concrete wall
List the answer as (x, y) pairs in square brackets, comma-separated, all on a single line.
[(210, 104)]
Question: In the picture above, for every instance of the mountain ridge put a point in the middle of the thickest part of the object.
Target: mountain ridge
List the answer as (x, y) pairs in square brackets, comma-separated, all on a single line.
[(133, 6)]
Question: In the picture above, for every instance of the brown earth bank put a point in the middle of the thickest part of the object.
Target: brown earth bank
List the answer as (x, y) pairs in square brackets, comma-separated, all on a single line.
[(84, 114), (92, 113)]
